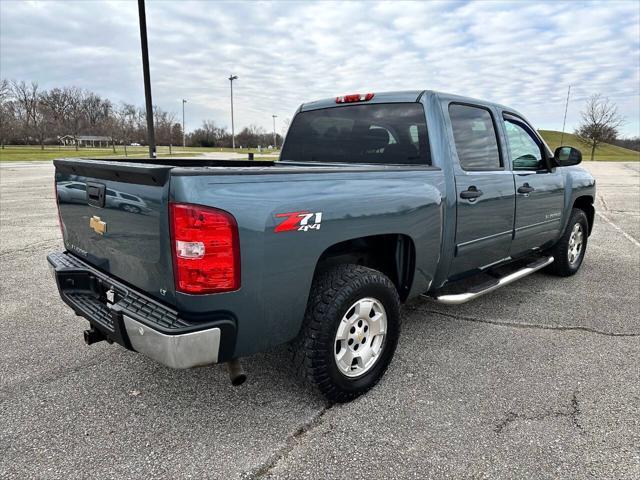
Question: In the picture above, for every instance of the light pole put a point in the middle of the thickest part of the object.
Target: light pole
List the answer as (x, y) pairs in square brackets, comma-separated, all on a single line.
[(566, 107), (233, 138), (147, 78), (275, 140), (184, 142)]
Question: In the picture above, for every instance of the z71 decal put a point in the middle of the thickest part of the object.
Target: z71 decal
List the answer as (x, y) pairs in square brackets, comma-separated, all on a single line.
[(300, 221)]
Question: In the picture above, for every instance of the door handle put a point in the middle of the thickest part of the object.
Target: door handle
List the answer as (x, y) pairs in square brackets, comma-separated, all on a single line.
[(471, 193), (526, 189)]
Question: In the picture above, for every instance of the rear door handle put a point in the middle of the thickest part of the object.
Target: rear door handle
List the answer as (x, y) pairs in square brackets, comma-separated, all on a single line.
[(526, 189), (471, 193)]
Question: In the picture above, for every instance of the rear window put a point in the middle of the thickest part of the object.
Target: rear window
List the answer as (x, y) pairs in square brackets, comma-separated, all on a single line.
[(475, 138), (394, 133)]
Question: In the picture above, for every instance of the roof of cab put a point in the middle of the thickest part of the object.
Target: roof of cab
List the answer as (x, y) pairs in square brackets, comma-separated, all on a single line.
[(399, 97), (378, 97)]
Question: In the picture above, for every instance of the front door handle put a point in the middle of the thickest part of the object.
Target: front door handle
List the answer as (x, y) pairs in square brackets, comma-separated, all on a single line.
[(526, 189), (471, 193)]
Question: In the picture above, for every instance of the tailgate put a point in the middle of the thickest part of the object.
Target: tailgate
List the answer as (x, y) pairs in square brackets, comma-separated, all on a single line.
[(115, 216)]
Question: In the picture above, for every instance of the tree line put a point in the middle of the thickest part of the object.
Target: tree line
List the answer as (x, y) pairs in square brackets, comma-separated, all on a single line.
[(30, 115)]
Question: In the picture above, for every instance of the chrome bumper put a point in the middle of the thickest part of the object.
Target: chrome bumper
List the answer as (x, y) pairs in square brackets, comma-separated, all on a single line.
[(138, 322), (176, 351)]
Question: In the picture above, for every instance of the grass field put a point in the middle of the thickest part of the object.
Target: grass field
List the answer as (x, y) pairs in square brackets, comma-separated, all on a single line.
[(31, 152), (606, 153)]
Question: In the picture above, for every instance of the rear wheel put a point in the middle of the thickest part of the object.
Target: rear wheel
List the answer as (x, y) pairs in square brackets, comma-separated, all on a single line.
[(569, 252), (350, 331)]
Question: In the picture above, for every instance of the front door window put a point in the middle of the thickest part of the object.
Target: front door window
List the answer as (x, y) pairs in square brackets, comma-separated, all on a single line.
[(526, 152)]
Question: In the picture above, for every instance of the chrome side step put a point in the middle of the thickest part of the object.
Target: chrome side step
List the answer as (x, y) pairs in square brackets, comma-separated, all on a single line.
[(474, 293)]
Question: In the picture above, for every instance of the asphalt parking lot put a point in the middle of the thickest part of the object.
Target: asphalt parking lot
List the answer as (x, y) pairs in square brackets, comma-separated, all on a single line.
[(540, 379)]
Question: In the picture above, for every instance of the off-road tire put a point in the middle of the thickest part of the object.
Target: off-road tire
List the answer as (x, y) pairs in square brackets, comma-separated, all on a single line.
[(562, 266), (333, 292)]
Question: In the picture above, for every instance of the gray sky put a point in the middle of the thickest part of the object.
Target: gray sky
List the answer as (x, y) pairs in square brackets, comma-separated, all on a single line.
[(523, 54)]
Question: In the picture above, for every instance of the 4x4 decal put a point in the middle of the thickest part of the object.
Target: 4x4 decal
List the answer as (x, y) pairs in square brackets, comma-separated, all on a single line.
[(302, 221)]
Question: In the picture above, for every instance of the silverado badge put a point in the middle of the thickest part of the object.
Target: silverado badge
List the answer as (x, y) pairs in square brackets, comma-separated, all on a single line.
[(98, 225)]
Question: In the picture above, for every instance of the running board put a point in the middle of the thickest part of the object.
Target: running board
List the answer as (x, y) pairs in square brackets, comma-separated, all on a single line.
[(480, 290)]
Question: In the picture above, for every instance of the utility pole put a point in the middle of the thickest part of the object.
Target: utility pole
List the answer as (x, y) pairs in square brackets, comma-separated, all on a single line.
[(566, 107), (184, 142), (275, 140), (147, 79), (233, 137)]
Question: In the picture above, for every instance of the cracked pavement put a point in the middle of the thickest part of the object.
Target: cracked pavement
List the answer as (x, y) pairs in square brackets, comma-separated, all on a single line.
[(540, 379)]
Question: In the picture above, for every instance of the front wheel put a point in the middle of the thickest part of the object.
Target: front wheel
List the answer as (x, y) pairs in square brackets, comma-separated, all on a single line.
[(350, 331), (569, 252)]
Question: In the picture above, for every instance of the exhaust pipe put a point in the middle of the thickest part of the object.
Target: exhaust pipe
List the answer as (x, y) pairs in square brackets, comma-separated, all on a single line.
[(236, 372), (92, 336)]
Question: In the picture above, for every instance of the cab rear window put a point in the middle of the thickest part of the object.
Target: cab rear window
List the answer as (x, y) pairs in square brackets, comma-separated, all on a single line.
[(394, 133)]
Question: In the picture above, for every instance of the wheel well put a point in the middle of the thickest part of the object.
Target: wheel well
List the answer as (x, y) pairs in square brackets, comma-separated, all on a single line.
[(586, 205), (392, 254)]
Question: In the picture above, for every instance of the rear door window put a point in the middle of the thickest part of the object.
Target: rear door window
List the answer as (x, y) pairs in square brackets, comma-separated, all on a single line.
[(475, 137), (394, 133)]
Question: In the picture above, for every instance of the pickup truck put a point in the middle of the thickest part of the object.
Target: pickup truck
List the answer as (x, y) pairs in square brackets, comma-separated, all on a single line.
[(375, 199)]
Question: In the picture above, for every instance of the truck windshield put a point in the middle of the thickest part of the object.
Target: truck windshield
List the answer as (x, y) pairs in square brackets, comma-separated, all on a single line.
[(393, 133)]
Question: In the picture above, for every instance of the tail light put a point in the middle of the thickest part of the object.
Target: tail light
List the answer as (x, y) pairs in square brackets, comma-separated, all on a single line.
[(354, 97), (206, 252)]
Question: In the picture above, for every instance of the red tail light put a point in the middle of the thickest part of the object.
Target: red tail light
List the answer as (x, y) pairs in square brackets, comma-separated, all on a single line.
[(206, 251), (355, 97)]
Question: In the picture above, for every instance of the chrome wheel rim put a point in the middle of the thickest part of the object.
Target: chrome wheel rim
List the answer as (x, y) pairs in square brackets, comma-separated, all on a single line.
[(130, 209), (576, 242), (360, 337)]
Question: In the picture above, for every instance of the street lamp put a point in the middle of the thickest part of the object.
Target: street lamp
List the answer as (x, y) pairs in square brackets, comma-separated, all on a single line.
[(147, 78), (275, 140), (184, 142), (233, 138)]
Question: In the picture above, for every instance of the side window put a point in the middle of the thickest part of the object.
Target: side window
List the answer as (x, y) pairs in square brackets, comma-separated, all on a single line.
[(526, 153), (475, 138), (77, 186)]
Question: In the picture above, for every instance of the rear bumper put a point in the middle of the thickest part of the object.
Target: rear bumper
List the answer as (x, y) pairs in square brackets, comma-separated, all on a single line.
[(176, 351), (138, 322)]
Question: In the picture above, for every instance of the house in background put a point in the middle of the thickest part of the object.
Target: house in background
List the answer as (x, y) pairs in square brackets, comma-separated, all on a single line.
[(86, 140)]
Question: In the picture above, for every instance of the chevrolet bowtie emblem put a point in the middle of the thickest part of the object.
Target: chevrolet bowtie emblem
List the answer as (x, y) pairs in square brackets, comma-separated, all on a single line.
[(98, 225)]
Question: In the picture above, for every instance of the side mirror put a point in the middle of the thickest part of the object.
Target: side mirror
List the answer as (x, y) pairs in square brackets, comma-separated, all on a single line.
[(567, 156)]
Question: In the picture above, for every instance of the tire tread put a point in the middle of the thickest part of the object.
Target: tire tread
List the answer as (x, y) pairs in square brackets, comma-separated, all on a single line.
[(331, 288), (561, 266)]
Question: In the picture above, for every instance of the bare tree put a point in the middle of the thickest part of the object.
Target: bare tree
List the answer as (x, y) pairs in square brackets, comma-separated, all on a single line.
[(253, 136), (600, 122), (96, 111), (126, 118), (31, 109), (8, 122), (163, 121), (176, 134), (76, 113), (55, 104), (208, 135)]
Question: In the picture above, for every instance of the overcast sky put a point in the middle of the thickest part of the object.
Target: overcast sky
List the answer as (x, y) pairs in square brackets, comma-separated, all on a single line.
[(523, 54)]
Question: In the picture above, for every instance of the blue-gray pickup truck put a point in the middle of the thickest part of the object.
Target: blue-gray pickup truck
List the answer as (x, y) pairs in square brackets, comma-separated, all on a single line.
[(376, 198)]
